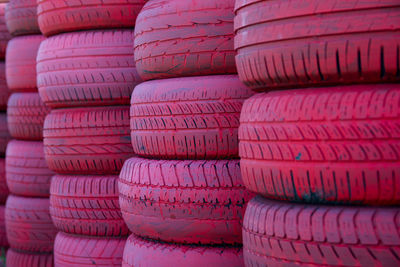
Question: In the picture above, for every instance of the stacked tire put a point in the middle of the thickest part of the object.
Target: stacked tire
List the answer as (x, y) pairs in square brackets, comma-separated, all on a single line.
[(4, 135), (324, 158), (182, 195), (29, 228), (86, 74)]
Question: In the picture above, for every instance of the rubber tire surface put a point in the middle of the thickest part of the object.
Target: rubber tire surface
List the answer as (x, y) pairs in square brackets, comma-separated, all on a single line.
[(187, 118), (21, 17), (297, 44), (92, 140), (56, 16), (21, 63), (286, 234), (5, 36), (27, 173), (184, 201), (25, 116), (3, 185), (337, 145), (87, 68), (4, 91), (28, 224), (23, 259), (86, 205), (4, 134), (147, 253), (179, 38), (3, 237), (74, 250)]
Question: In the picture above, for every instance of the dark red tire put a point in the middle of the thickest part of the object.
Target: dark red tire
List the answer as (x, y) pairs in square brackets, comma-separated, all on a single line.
[(28, 224), (5, 36), (335, 144), (17, 258), (21, 63), (176, 39), (4, 134), (184, 201), (25, 116), (3, 235), (187, 118), (300, 44), (4, 91), (92, 140), (86, 205), (85, 68), (21, 17), (27, 173), (3, 185), (286, 234), (148, 253), (74, 250), (57, 16)]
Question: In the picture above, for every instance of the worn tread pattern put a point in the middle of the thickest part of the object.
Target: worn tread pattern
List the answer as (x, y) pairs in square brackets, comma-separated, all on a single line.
[(286, 234), (21, 17), (25, 116), (3, 185), (4, 91), (178, 38), (92, 140), (56, 16), (5, 36), (337, 144), (86, 205), (28, 224), (27, 173), (187, 118), (5, 136), (74, 250), (17, 258), (87, 68), (297, 44), (183, 201), (3, 235), (148, 253), (21, 63)]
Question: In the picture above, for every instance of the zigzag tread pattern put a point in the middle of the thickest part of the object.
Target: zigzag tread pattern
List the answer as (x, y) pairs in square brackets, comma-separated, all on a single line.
[(91, 140), (178, 40), (89, 67), (25, 116), (287, 234), (55, 16), (86, 205), (155, 197), (329, 145), (313, 44), (185, 255), (74, 250), (21, 17), (187, 118), (17, 258), (28, 224)]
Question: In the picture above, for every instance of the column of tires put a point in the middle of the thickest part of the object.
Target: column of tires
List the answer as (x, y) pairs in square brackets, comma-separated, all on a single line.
[(182, 195), (86, 74), (324, 158), (29, 228), (4, 135)]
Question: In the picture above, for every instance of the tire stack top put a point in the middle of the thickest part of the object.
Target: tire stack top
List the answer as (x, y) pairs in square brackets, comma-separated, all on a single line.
[(320, 143), (4, 134), (182, 196), (29, 228), (86, 74)]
